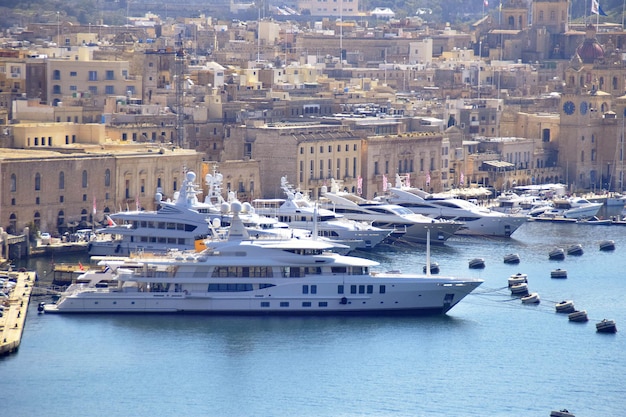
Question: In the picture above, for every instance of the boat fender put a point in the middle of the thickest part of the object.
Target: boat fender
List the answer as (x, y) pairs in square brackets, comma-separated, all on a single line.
[(117, 249), (344, 300)]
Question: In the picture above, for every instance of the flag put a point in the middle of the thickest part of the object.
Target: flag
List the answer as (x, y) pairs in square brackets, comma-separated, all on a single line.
[(407, 182), (596, 9), (80, 266), (428, 175), (94, 205), (384, 182), (486, 3), (359, 185), (462, 180), (137, 205)]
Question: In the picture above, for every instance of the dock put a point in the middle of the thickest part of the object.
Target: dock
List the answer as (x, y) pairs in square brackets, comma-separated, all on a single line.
[(15, 308)]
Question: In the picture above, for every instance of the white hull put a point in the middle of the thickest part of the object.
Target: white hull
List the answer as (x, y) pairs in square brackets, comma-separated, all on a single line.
[(401, 295)]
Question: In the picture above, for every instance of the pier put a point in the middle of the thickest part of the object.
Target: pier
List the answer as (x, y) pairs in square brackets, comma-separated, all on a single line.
[(15, 308)]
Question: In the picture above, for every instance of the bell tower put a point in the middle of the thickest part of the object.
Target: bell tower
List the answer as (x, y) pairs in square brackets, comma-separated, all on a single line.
[(550, 14)]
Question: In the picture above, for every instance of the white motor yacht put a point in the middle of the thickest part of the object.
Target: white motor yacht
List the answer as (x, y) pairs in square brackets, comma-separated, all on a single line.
[(408, 226), (257, 276), (479, 221), (300, 212)]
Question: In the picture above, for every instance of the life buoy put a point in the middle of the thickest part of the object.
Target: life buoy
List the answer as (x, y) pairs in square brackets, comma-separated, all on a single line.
[(344, 300)]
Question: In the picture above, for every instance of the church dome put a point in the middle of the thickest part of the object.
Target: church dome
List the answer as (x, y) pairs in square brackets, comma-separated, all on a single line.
[(590, 49)]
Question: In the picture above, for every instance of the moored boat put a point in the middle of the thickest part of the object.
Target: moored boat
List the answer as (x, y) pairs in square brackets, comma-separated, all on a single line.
[(434, 268), (606, 326), (575, 249), (477, 263), (578, 316), (566, 306), (556, 254), (558, 273), (532, 298), (519, 289), (607, 245), (518, 278), (561, 413), (263, 275), (511, 258)]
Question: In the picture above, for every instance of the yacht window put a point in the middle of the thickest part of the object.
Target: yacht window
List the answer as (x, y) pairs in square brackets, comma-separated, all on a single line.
[(305, 289), (338, 269), (382, 289), (370, 289), (284, 303), (313, 289), (339, 289), (352, 289), (361, 289), (265, 303), (306, 304), (323, 304)]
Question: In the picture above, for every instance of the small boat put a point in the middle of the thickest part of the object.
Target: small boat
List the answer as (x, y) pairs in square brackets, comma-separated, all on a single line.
[(434, 268), (561, 413), (532, 298), (578, 316), (518, 278), (519, 289), (607, 245), (556, 254), (565, 307), (477, 263), (511, 258), (606, 326), (575, 249), (558, 273)]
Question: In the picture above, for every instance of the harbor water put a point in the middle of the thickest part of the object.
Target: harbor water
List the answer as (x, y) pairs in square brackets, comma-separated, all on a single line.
[(489, 356)]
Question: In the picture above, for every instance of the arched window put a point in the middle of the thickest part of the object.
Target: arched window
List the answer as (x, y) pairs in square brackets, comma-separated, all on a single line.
[(60, 218), (37, 182), (83, 215), (61, 180), (13, 183), (84, 179), (511, 21), (107, 178)]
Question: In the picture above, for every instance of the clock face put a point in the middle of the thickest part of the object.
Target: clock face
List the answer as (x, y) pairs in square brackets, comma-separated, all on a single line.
[(569, 107), (584, 107)]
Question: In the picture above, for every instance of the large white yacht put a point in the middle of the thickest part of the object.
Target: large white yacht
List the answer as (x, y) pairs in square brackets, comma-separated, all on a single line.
[(408, 226), (479, 221), (178, 224), (243, 275), (300, 212)]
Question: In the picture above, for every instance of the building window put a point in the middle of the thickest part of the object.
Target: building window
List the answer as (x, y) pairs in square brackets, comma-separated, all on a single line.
[(56, 75), (37, 182), (110, 75), (109, 89), (93, 75), (84, 179), (61, 180), (93, 89), (107, 178), (13, 183), (56, 89)]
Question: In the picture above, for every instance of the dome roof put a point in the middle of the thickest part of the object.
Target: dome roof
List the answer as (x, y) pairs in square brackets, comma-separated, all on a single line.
[(590, 49)]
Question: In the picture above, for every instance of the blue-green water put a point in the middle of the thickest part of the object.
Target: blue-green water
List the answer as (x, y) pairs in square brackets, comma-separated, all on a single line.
[(490, 356)]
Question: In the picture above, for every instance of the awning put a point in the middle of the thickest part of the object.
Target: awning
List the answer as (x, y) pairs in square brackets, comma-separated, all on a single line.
[(499, 164)]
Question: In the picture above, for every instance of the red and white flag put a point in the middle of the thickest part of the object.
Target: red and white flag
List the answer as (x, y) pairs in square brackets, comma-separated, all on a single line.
[(359, 185), (384, 182), (407, 182), (428, 178), (94, 205)]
